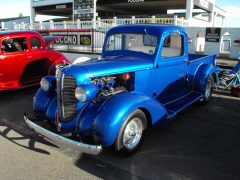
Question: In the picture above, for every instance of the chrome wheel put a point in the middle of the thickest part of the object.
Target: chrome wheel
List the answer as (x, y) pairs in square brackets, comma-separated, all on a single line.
[(132, 133), (208, 89)]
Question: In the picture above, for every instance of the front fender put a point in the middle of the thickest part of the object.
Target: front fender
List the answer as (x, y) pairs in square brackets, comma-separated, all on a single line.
[(41, 102), (51, 110), (113, 112), (202, 75)]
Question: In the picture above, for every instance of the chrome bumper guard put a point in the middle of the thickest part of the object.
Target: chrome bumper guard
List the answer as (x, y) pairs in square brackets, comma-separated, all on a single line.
[(85, 148)]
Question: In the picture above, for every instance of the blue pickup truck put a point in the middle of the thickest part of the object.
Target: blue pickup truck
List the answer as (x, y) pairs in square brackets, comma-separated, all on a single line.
[(144, 78)]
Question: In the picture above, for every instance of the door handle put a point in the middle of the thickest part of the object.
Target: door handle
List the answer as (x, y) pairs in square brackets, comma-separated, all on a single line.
[(29, 57), (185, 60)]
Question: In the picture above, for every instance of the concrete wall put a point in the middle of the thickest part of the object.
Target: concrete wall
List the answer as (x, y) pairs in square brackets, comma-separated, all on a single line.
[(213, 47)]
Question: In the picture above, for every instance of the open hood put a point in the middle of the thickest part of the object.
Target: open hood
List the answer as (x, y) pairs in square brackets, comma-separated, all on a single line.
[(50, 39)]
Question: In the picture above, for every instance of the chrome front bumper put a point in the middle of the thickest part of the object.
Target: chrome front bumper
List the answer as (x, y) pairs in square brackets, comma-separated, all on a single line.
[(85, 148)]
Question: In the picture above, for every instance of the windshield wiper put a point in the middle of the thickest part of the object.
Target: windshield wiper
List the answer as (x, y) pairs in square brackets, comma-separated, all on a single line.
[(149, 37)]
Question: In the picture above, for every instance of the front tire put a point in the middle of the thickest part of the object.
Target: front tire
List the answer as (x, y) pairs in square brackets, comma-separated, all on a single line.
[(131, 133), (208, 91)]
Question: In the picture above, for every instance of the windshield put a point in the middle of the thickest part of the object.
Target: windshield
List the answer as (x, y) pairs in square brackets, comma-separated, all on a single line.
[(132, 42)]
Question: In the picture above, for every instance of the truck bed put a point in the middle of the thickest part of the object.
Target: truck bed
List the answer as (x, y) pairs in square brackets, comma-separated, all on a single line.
[(209, 58)]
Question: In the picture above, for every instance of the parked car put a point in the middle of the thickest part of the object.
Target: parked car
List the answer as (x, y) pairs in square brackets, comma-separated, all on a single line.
[(25, 58), (143, 80)]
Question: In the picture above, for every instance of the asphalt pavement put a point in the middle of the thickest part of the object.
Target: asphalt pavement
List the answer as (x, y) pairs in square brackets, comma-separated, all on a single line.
[(202, 142), (25, 158)]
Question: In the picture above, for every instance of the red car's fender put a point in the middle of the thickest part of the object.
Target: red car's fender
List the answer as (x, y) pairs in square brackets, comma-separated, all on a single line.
[(59, 60)]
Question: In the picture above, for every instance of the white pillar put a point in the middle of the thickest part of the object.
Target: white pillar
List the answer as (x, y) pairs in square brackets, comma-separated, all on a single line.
[(2, 25), (182, 22), (51, 24), (175, 20), (64, 25), (223, 21), (189, 9), (133, 19), (153, 19), (40, 25), (98, 22), (114, 21), (31, 25), (214, 19), (23, 25), (93, 24), (78, 24), (33, 13), (94, 10)]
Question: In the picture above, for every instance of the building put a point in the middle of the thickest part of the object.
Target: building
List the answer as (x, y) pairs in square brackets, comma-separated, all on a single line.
[(203, 20), (8, 23), (196, 12)]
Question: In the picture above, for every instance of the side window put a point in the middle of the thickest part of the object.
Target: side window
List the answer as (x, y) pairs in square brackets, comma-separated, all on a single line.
[(14, 45), (172, 46), (35, 43)]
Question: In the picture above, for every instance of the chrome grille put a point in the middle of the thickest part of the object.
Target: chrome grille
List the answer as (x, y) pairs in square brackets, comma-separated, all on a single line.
[(66, 97)]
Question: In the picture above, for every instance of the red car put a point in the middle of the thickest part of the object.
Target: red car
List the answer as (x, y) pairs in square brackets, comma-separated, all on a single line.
[(25, 58)]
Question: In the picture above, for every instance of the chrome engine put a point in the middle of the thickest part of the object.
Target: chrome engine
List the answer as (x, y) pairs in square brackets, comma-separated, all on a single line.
[(111, 85)]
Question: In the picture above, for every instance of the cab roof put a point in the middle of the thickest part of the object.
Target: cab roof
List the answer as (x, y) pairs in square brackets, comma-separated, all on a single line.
[(150, 28)]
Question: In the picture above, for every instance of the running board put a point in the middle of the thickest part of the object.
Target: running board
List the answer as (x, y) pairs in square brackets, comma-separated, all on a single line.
[(174, 107)]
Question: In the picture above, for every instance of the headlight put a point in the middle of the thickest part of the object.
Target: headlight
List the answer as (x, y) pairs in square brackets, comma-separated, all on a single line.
[(48, 83), (80, 94), (86, 92)]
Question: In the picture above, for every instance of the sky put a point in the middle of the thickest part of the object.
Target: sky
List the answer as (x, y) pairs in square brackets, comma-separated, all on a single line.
[(12, 8)]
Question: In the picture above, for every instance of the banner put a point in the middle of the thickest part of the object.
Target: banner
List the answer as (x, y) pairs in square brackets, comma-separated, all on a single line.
[(213, 34), (84, 10), (66, 39), (85, 39)]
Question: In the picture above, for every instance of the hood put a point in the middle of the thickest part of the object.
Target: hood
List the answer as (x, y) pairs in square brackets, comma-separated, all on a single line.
[(115, 65), (50, 39)]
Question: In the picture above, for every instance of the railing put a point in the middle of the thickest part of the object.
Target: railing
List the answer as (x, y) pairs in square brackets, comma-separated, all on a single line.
[(97, 29), (63, 25), (100, 24), (134, 20)]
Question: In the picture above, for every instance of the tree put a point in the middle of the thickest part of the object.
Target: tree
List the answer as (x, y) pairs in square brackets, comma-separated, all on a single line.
[(20, 15)]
